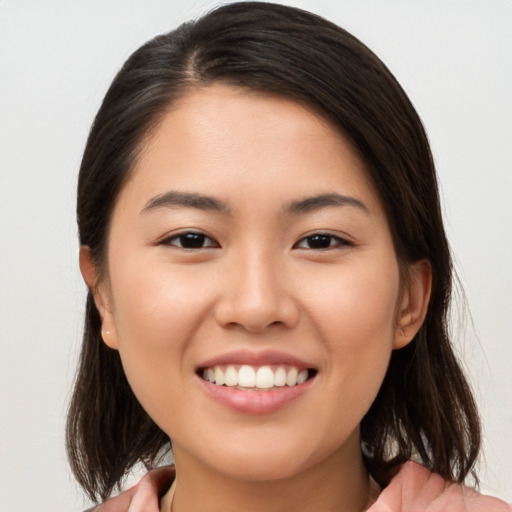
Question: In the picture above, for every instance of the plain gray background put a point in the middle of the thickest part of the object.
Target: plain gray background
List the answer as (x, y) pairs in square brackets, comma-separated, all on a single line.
[(57, 59)]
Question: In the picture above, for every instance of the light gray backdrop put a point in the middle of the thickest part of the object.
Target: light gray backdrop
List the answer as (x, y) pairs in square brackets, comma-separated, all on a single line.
[(454, 58)]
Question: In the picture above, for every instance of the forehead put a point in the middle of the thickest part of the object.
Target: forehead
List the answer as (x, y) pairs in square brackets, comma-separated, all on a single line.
[(222, 137)]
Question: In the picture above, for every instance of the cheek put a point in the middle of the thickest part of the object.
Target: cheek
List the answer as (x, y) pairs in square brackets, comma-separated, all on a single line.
[(354, 314), (156, 314), (357, 301), (155, 300)]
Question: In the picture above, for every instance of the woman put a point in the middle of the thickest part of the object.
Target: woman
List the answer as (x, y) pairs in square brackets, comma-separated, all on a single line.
[(269, 278)]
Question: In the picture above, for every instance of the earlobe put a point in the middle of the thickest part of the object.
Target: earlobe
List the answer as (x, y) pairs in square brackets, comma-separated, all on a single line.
[(414, 303), (100, 295)]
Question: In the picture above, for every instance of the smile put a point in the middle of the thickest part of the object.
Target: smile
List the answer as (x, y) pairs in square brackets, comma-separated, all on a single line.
[(256, 383), (247, 377)]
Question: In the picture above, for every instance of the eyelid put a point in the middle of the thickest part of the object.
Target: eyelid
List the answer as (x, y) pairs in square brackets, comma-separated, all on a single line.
[(342, 241), (170, 237)]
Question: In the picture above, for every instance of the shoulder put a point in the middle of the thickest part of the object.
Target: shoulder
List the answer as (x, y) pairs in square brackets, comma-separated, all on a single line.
[(416, 489)]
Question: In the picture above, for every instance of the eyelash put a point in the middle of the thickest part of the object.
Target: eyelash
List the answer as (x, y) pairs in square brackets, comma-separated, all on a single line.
[(322, 237), (193, 236), (198, 240)]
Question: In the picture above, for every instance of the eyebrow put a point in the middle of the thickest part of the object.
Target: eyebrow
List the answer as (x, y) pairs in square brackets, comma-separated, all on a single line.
[(186, 199), (320, 201), (207, 203)]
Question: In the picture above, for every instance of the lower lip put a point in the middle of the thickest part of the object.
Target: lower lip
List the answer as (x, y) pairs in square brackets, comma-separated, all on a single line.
[(255, 402)]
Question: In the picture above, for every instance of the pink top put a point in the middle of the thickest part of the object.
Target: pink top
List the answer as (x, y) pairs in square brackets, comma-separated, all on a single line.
[(413, 489), (416, 489)]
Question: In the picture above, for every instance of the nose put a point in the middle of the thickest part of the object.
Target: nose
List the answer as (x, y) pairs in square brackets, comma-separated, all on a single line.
[(256, 294)]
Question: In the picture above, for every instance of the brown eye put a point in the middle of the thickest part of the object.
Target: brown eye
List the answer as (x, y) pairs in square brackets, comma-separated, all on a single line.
[(190, 240), (320, 241)]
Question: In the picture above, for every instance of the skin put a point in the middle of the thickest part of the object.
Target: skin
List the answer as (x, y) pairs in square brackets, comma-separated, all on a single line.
[(257, 283)]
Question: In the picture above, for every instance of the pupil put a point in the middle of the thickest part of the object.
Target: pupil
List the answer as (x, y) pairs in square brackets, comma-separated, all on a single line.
[(192, 240), (320, 241)]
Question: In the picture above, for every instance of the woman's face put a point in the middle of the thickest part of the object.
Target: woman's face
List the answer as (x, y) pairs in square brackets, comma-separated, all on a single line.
[(249, 246)]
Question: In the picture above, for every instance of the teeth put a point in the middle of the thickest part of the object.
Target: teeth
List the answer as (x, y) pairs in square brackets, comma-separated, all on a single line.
[(302, 376), (280, 377), (219, 376), (263, 377), (291, 377), (230, 376), (246, 377)]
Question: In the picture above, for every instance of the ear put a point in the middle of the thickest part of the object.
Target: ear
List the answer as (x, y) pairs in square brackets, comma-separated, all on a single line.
[(101, 297), (413, 303)]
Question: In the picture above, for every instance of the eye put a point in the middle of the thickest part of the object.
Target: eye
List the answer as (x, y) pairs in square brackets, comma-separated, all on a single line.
[(190, 240), (321, 241)]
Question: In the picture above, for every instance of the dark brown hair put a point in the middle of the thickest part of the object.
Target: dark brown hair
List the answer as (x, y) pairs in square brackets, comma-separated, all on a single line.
[(424, 408)]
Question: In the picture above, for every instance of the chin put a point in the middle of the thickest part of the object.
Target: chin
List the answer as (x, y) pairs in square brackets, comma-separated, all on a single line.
[(260, 470), (260, 462)]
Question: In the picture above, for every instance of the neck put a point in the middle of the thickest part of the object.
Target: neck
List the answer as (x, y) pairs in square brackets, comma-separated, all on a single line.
[(330, 486)]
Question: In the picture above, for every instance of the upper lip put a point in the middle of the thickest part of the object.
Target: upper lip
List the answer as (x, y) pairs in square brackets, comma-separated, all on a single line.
[(255, 358)]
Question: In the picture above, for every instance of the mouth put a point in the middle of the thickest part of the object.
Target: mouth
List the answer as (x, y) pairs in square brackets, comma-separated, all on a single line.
[(256, 378)]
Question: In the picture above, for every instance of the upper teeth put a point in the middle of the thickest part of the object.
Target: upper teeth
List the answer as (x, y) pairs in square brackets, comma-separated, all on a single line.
[(263, 377)]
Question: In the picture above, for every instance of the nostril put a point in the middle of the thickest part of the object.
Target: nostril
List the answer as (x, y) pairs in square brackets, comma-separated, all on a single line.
[(256, 308)]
